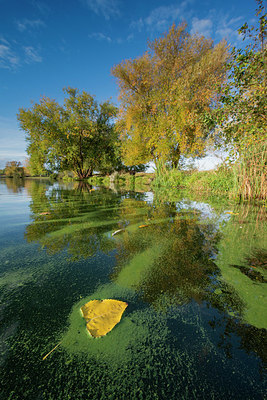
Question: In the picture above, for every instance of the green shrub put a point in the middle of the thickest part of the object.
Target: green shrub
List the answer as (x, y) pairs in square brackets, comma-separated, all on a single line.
[(99, 180), (66, 176)]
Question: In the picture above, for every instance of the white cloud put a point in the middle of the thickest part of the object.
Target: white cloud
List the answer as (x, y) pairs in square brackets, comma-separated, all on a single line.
[(162, 17), (13, 56), (228, 29), (31, 55), (107, 8), (235, 20), (99, 36), (201, 26), (102, 37), (130, 37), (27, 24), (225, 32), (8, 59), (225, 26), (3, 41), (137, 25), (215, 24), (218, 25)]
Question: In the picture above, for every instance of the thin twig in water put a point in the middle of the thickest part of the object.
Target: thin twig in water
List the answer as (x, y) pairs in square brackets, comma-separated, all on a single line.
[(51, 351)]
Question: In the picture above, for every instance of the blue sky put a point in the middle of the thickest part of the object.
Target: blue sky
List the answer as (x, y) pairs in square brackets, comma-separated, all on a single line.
[(46, 45)]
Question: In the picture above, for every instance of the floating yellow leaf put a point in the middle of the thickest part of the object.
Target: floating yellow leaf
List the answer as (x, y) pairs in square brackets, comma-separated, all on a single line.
[(143, 226), (231, 212), (102, 315)]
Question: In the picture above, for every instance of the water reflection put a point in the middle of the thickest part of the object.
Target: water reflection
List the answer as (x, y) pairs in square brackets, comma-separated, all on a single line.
[(252, 339), (169, 261), (15, 185), (72, 219), (186, 329), (173, 259)]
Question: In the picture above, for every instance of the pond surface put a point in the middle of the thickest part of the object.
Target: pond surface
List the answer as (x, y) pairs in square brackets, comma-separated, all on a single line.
[(194, 278)]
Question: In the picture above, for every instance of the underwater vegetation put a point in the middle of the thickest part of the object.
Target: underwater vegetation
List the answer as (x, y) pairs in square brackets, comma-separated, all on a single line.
[(194, 326)]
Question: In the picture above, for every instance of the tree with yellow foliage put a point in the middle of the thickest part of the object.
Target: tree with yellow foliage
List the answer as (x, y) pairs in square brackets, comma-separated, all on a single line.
[(168, 95)]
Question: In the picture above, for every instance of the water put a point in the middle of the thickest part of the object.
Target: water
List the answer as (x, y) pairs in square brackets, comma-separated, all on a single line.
[(194, 280)]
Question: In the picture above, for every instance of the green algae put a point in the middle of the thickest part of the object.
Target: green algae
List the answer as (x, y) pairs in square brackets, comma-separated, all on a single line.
[(176, 338), (114, 345), (241, 236), (133, 273)]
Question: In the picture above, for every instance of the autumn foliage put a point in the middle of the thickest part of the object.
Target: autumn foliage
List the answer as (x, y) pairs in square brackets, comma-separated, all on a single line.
[(168, 95)]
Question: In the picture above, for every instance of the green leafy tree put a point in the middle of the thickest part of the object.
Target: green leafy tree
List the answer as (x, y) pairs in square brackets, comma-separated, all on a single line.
[(244, 111), (167, 97), (78, 136), (242, 116)]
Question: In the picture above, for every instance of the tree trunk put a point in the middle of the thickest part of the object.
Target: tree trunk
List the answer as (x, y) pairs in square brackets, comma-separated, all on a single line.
[(88, 172), (84, 173), (175, 157)]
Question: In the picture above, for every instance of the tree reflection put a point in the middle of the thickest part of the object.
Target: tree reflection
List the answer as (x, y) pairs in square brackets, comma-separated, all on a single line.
[(76, 219), (168, 263), (15, 185), (183, 270), (252, 339)]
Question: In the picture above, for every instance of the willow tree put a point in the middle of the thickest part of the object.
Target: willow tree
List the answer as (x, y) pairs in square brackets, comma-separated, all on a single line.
[(167, 96), (78, 136)]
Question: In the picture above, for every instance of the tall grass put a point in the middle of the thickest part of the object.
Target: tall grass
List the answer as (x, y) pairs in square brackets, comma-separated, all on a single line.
[(166, 176), (219, 181), (245, 180), (250, 172)]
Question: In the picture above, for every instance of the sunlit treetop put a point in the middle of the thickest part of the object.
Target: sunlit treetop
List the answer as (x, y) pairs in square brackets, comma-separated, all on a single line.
[(167, 96)]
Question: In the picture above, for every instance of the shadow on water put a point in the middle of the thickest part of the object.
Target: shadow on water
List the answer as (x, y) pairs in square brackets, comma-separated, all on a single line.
[(192, 279)]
